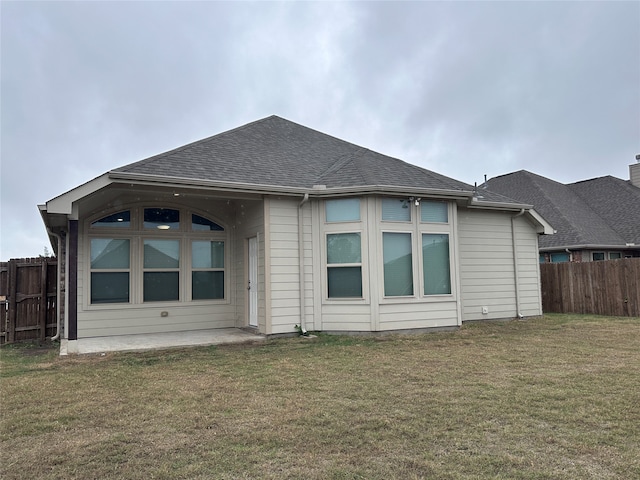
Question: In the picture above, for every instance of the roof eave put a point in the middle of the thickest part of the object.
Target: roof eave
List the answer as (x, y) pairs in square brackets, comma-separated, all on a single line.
[(316, 191), (63, 204)]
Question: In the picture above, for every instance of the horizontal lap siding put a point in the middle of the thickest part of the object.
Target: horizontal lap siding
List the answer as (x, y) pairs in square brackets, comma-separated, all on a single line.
[(486, 264), (97, 323), (346, 317), (396, 316), (528, 268), (284, 265)]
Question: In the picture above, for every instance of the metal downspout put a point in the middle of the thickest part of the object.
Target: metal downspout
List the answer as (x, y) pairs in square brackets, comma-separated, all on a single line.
[(515, 261), (58, 271), (303, 329)]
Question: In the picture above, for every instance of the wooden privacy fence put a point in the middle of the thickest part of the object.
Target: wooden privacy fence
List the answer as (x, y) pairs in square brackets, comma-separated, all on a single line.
[(27, 299), (609, 287)]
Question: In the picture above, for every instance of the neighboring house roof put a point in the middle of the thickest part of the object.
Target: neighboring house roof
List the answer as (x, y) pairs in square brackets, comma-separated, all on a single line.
[(598, 212), (615, 200)]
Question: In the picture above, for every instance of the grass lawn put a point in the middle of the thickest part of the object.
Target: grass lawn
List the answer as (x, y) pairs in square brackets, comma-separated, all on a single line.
[(556, 397)]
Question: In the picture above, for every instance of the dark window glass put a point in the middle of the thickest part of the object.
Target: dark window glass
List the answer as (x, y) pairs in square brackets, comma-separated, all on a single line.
[(162, 218), (200, 223), (344, 282), (161, 286), (109, 287), (118, 220), (207, 285)]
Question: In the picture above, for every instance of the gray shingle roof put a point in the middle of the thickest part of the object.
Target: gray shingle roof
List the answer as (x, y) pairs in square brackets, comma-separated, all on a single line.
[(276, 152), (601, 211), (616, 201)]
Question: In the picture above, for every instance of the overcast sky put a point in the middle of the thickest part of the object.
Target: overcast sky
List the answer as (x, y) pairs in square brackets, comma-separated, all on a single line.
[(464, 89)]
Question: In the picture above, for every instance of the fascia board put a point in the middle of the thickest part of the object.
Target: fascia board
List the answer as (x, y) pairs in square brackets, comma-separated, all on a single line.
[(283, 190), (391, 190), (546, 227), (236, 187), (479, 204), (63, 204)]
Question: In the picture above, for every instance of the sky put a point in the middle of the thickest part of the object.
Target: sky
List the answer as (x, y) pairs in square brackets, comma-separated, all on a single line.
[(465, 89)]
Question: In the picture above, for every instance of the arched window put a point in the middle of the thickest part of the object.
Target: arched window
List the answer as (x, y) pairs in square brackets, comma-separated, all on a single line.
[(159, 258)]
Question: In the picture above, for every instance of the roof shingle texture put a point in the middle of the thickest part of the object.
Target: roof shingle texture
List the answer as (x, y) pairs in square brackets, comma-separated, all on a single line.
[(600, 211), (276, 152)]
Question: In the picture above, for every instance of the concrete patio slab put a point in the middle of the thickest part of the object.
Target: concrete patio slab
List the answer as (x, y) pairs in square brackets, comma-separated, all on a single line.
[(152, 341)]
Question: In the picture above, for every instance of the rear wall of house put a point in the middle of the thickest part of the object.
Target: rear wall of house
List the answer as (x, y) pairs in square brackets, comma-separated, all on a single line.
[(487, 267)]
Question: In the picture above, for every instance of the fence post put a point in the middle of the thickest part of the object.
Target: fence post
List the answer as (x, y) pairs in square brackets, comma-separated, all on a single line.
[(13, 301)]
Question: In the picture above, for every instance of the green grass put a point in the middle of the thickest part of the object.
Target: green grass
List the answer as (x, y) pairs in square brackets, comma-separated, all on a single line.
[(556, 397)]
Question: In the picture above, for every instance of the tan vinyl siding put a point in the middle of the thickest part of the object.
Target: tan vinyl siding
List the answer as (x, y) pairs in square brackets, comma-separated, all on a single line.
[(146, 319), (397, 316), (487, 277), (487, 266), (283, 264), (346, 317), (528, 268)]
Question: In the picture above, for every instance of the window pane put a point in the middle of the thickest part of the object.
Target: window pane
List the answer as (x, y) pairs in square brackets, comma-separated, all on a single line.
[(343, 248), (207, 254), (598, 255), (398, 271), (109, 287), (201, 223), (614, 255), (434, 211), (120, 219), (207, 285), (559, 257), (161, 286), (109, 253), (162, 218), (161, 254), (344, 282), (435, 264), (542, 258), (343, 210), (396, 209)]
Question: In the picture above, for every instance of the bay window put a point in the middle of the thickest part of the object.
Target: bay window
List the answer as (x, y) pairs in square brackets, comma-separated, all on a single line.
[(416, 248)]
